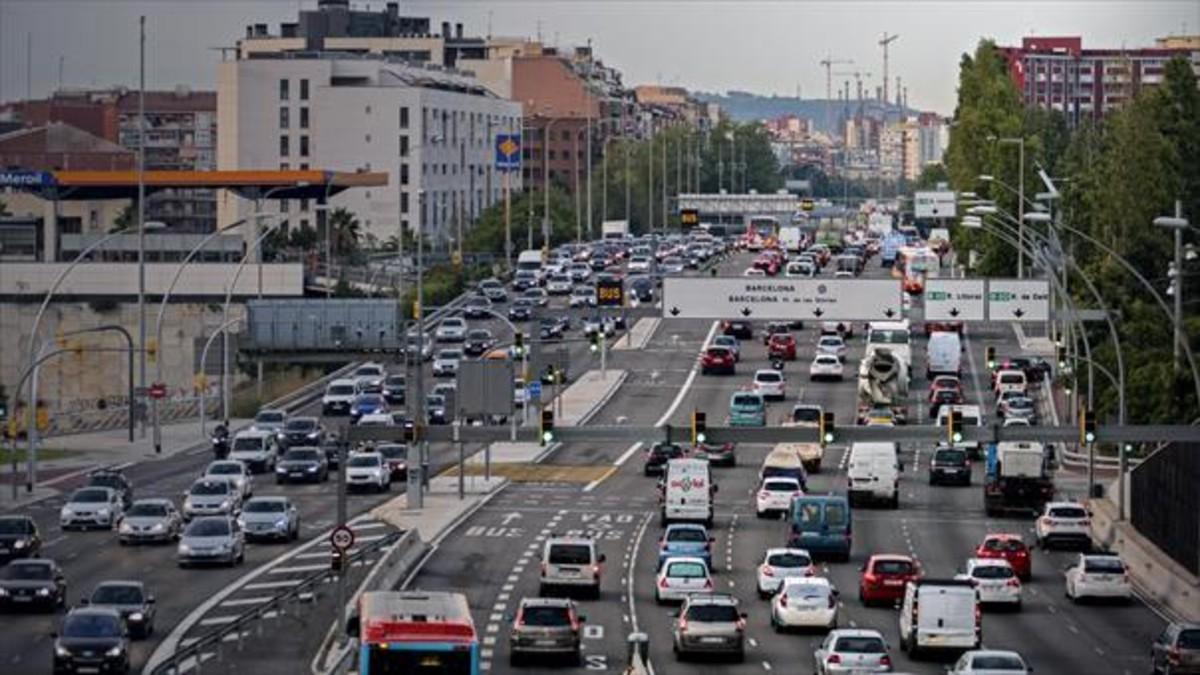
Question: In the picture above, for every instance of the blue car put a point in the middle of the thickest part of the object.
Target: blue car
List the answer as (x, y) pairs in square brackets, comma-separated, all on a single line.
[(367, 404), (685, 539), (747, 409), (821, 524)]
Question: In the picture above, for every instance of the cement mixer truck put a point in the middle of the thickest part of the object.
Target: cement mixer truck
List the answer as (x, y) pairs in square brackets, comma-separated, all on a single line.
[(882, 386)]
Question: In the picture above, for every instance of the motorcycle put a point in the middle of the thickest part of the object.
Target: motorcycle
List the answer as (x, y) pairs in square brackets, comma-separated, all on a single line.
[(777, 363), (220, 444)]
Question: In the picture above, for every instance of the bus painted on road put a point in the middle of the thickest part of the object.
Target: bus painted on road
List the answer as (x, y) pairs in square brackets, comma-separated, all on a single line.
[(415, 633)]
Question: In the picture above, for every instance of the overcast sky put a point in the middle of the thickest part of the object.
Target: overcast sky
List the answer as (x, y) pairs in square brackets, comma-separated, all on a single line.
[(711, 45)]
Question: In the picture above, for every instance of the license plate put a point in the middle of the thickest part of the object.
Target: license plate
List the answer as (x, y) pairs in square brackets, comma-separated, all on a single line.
[(712, 640), (296, 475), (568, 573), (893, 582), (545, 643), (87, 669), (22, 598)]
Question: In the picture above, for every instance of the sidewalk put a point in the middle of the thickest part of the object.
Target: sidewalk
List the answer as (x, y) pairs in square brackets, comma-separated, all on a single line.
[(80, 453), (586, 395), (639, 335), (1160, 581)]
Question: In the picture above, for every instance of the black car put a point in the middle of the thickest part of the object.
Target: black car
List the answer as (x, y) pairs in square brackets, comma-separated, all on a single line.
[(742, 330), (116, 480), (642, 289), (1035, 369), (92, 639), (478, 342), (34, 583), (301, 431), (19, 538), (131, 600), (435, 409), (393, 388), (657, 457), (395, 456), (550, 328), (477, 307), (302, 465), (949, 465), (520, 310)]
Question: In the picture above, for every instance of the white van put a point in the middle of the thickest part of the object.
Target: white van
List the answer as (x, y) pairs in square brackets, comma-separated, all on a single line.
[(940, 614), (874, 473), (943, 355), (532, 260), (688, 492)]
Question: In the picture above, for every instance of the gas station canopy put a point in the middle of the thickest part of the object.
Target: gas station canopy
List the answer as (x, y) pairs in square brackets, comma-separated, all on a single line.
[(99, 185)]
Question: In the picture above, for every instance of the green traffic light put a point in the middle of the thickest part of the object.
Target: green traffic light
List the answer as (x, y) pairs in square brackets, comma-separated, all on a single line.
[(547, 436), (1089, 437), (828, 437), (958, 437), (700, 438)]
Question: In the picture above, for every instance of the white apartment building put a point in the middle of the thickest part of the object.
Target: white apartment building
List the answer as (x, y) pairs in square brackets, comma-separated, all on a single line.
[(431, 129)]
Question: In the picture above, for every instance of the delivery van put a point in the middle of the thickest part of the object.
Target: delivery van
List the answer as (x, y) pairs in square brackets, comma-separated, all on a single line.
[(821, 524), (688, 492), (873, 473), (941, 614), (943, 355)]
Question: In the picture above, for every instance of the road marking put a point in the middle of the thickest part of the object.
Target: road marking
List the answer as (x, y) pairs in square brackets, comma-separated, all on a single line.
[(766, 665), (241, 602), (489, 641), (218, 620), (628, 453), (264, 585), (297, 568), (493, 628), (1071, 627), (368, 525)]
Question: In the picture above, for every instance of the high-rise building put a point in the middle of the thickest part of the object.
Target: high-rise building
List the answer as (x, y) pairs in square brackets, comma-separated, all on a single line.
[(1057, 73)]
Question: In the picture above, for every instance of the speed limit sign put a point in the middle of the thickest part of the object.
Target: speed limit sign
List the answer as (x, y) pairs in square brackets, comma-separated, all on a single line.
[(342, 538)]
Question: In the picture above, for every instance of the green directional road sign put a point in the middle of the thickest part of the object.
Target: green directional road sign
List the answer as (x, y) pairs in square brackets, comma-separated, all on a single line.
[(937, 295), (1002, 296)]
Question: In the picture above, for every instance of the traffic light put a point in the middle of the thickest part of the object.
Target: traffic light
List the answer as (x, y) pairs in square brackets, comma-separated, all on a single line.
[(336, 560), (412, 432), (151, 349), (699, 427), (1087, 426), (594, 338), (955, 426), (991, 357), (1062, 357), (826, 428), (518, 344), (547, 427)]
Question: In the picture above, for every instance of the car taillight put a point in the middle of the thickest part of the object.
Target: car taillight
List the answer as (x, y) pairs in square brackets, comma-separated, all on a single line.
[(783, 599), (885, 661), (1173, 656), (1013, 583), (662, 583), (683, 623), (833, 659), (595, 570), (869, 578), (978, 618), (809, 571), (768, 571), (520, 620)]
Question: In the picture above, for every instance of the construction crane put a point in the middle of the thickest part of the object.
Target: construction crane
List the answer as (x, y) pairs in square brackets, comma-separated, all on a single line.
[(887, 40), (829, 62)]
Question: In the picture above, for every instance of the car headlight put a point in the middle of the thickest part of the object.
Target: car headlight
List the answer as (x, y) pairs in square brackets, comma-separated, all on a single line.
[(20, 544), (280, 524), (125, 528), (61, 652), (43, 592), (3, 592), (137, 616), (114, 652), (280, 469), (312, 469), (314, 434), (184, 549), (224, 504), (103, 513), (158, 527), (66, 512)]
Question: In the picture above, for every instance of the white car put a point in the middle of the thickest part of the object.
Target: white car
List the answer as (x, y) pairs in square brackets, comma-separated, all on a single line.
[(593, 324), (559, 284), (781, 564), (368, 377), (769, 383), (257, 448), (753, 272), (446, 363), (236, 471), (339, 395), (1063, 523), (451, 329), (852, 650), (826, 367), (680, 577), (832, 344), (638, 264), (807, 602), (91, 507), (368, 470), (582, 296), (995, 581), (990, 662), (537, 296), (1010, 380), (1098, 576), (377, 420), (774, 496), (580, 272)]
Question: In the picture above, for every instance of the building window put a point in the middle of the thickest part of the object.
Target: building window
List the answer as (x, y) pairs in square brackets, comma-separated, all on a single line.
[(284, 118), (404, 173), (404, 117), (566, 135), (304, 146), (368, 138), (553, 155), (283, 90), (403, 202), (404, 146), (284, 147), (304, 166), (303, 204), (368, 110), (304, 118), (284, 166), (303, 90)]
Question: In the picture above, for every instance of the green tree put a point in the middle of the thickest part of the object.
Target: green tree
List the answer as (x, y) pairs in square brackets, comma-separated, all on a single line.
[(346, 231), (127, 218), (303, 238), (931, 175)]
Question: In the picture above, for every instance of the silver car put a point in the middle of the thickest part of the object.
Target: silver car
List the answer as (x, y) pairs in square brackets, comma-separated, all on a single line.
[(852, 650), (270, 518), (91, 507), (710, 623), (234, 470), (150, 520), (269, 419), (211, 497), (214, 539), (446, 363)]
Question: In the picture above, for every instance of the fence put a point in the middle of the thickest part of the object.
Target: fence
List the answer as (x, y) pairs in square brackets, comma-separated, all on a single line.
[(117, 417), (1165, 502)]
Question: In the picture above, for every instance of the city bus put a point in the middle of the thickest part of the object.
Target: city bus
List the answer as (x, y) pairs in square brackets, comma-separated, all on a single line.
[(761, 231), (414, 633)]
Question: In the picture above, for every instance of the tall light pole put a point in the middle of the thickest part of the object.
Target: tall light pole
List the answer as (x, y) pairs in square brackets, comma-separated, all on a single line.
[(546, 180), (1178, 224), (142, 211)]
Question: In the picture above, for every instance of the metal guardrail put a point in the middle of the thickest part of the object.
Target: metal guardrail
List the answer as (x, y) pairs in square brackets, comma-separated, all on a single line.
[(190, 658)]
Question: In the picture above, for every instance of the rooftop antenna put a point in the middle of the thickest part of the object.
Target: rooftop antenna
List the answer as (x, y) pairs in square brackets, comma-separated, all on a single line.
[(489, 24)]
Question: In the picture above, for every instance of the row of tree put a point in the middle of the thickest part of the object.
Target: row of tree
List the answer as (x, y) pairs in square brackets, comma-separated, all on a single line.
[(1115, 177)]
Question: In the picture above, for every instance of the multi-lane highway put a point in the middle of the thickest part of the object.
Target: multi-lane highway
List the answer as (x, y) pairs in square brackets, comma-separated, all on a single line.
[(91, 557), (494, 556)]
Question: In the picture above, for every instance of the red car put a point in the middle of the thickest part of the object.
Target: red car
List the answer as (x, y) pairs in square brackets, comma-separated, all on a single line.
[(1010, 547), (884, 577), (717, 360), (782, 346)]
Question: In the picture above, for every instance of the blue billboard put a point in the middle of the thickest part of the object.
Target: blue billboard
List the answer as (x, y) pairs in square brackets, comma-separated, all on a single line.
[(508, 152)]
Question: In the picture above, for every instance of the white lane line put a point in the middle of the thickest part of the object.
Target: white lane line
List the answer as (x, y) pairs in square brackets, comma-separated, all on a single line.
[(766, 665), (687, 383), (637, 541), (241, 602), (265, 585), (629, 452), (218, 620), (493, 628), (298, 568), (368, 525)]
